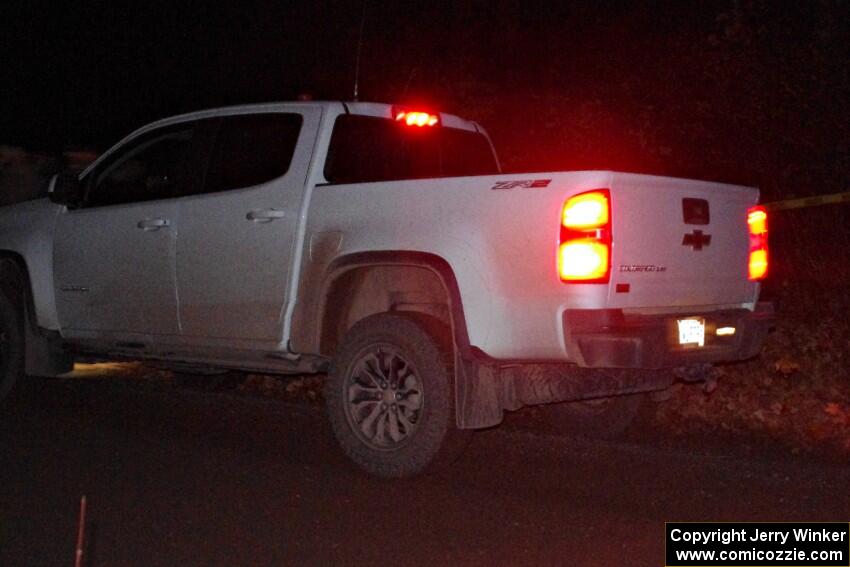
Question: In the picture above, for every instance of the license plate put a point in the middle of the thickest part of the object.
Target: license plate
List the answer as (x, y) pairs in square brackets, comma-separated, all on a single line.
[(691, 332)]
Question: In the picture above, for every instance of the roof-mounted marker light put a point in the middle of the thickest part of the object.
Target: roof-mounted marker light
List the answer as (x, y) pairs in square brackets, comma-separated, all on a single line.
[(415, 117)]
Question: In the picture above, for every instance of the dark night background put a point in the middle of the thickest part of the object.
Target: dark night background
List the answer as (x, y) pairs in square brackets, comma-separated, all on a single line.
[(755, 92), (748, 91), (752, 92)]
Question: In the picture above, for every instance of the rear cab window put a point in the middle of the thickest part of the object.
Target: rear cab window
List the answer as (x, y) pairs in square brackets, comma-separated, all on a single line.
[(368, 149)]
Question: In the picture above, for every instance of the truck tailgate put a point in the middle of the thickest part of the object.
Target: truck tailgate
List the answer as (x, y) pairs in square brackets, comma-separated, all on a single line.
[(679, 243)]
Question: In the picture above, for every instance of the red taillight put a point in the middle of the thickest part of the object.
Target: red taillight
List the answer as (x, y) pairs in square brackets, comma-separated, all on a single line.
[(415, 117), (758, 260), (584, 253), (588, 210), (583, 260)]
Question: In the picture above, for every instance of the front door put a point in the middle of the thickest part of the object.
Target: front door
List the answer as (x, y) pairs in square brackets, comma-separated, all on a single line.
[(236, 243), (114, 255)]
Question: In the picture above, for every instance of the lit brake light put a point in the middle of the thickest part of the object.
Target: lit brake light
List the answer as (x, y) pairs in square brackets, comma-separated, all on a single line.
[(583, 260), (584, 253), (415, 117), (757, 220), (758, 259), (588, 210)]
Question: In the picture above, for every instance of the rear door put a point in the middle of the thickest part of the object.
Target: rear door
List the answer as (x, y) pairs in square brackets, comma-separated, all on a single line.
[(236, 242), (679, 243)]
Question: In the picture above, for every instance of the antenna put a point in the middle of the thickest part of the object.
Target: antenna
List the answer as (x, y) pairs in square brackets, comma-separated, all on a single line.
[(359, 49), (407, 84)]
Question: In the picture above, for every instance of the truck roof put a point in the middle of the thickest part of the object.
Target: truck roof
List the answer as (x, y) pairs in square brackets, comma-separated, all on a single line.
[(330, 107), (377, 109)]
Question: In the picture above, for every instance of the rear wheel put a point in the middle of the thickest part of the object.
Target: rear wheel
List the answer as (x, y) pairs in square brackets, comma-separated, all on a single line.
[(11, 344), (389, 396)]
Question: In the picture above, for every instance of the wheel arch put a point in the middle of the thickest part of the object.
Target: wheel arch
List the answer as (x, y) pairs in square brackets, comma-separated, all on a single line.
[(15, 278), (44, 355), (345, 275)]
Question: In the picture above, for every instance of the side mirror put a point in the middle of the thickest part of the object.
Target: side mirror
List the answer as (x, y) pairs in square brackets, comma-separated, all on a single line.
[(65, 189)]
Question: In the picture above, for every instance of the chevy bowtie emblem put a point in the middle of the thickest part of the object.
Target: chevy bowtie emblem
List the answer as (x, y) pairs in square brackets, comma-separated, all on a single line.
[(696, 239)]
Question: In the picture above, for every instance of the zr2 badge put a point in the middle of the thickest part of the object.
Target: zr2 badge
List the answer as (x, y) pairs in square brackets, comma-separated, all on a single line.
[(522, 184)]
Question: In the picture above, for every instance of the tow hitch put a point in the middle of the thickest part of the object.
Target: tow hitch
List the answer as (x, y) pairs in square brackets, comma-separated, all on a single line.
[(705, 373)]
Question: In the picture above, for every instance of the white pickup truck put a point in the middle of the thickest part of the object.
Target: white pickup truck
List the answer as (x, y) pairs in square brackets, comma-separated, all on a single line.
[(381, 244)]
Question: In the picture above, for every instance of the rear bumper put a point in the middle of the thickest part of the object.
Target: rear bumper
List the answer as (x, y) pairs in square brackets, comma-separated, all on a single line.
[(607, 338)]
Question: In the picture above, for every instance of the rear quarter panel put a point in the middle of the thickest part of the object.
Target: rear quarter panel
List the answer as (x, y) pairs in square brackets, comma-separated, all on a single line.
[(500, 243)]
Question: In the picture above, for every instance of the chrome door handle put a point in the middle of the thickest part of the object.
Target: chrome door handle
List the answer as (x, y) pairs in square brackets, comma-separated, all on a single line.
[(149, 225), (265, 215)]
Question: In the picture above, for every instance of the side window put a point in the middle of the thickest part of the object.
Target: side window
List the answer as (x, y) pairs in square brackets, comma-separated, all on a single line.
[(251, 149), (150, 168)]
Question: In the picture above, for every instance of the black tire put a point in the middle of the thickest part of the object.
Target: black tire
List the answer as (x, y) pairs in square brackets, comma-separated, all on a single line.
[(602, 418), (390, 396), (11, 344)]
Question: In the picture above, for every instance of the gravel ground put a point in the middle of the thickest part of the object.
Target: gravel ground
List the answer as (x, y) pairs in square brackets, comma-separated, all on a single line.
[(180, 475)]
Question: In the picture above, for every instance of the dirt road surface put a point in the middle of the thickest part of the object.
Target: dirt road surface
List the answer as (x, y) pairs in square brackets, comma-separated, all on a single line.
[(179, 477)]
